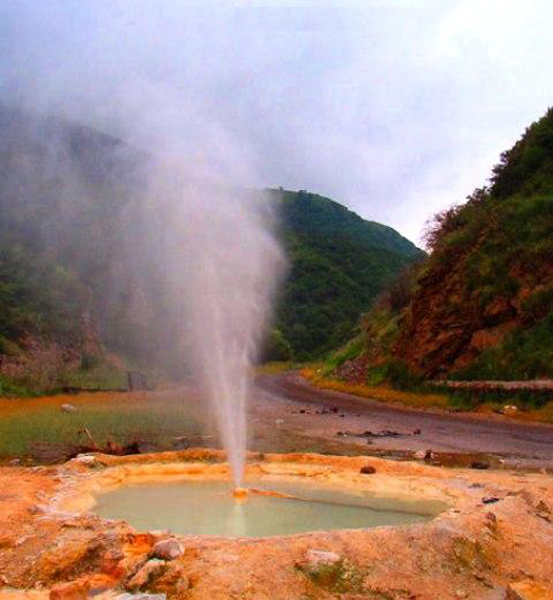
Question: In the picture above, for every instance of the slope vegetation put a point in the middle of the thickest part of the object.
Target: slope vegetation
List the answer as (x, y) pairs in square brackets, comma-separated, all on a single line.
[(481, 305)]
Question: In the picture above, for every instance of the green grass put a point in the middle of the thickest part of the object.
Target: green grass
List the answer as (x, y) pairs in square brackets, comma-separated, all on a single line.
[(21, 432), (100, 376)]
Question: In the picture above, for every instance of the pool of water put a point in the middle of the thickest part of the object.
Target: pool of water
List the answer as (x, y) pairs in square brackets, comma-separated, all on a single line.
[(207, 508)]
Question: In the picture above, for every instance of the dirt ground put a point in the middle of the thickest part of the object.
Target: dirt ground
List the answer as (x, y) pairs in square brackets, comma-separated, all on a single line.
[(497, 531), (289, 402)]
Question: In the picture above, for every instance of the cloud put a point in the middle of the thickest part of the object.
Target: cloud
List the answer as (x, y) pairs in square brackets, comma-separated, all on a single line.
[(397, 109)]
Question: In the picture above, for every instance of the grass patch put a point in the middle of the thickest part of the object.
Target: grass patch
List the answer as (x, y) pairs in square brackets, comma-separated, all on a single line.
[(123, 418)]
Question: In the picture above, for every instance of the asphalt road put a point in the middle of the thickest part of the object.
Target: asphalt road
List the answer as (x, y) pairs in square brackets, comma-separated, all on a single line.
[(521, 444)]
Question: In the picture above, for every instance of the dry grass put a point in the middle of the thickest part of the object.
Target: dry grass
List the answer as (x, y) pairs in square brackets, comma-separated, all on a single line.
[(424, 400)]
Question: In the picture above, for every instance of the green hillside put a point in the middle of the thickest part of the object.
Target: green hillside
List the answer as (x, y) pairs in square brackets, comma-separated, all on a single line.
[(339, 264), (79, 269), (481, 305)]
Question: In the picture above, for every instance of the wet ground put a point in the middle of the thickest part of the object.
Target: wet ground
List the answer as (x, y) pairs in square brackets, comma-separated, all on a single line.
[(289, 404)]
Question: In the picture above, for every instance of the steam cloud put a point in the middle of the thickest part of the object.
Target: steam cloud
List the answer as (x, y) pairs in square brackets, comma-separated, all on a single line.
[(224, 267)]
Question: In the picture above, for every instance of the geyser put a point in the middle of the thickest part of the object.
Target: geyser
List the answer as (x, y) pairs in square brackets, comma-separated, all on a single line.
[(221, 243)]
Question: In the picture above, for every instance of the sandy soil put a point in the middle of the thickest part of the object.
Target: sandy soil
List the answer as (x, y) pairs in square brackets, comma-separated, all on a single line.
[(281, 397)]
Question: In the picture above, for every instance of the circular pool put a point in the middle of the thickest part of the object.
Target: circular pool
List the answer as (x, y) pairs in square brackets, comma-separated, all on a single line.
[(208, 508)]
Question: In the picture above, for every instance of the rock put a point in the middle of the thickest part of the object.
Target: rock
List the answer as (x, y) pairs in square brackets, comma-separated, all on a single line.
[(87, 460), (74, 590), (68, 408), (168, 549), (15, 462), (479, 464), (417, 432), (111, 562), (150, 570), (420, 454), (367, 470), (528, 590), (172, 581), (490, 500), (279, 421), (38, 509), (315, 559)]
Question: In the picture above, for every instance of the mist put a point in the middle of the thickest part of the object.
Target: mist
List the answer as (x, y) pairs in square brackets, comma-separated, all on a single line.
[(222, 265), (397, 109)]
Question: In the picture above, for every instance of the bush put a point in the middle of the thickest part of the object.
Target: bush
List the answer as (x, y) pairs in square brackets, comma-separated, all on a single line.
[(276, 348)]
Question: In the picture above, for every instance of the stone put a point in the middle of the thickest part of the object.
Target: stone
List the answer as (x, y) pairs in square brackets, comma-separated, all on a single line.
[(420, 454), (479, 464), (528, 590), (367, 470), (86, 459), (73, 590), (316, 559), (172, 581), (279, 421), (68, 408), (168, 549), (150, 570), (490, 500), (417, 432)]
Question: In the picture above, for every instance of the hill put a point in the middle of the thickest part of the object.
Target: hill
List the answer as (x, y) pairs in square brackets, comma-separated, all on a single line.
[(339, 264), (79, 271), (481, 305)]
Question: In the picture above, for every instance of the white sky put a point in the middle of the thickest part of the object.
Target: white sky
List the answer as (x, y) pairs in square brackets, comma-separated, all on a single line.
[(395, 108)]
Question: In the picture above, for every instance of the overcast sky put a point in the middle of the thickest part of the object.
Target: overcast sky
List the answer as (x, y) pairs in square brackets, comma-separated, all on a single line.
[(395, 108)]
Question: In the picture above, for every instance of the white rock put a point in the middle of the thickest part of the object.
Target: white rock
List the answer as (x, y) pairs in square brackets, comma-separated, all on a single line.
[(279, 421), (68, 408), (315, 559), (168, 549), (86, 459)]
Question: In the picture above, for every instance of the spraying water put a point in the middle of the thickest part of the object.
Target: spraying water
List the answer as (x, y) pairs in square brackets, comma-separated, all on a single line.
[(230, 264)]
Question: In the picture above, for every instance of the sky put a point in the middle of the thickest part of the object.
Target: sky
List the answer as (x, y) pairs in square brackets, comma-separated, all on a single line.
[(397, 109)]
